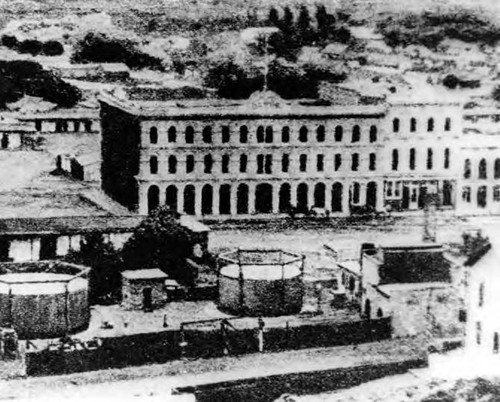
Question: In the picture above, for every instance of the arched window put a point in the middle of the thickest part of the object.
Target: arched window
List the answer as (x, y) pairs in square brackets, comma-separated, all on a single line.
[(482, 196), (189, 135), (320, 134), (467, 169), (260, 134), (171, 197), (395, 159), (303, 134), (413, 124), (225, 164), (260, 163), (225, 199), (189, 199), (208, 163), (482, 169), (172, 164), (412, 159), (320, 162), (355, 162), (430, 124), (395, 125), (243, 163), (225, 134), (153, 198), (466, 194), (153, 165), (285, 134), (356, 134), (447, 124), (356, 191), (339, 131), (269, 134), (172, 134), (189, 163), (243, 134), (496, 193), (373, 162), (373, 133), (447, 158), (497, 168), (153, 135), (207, 134), (429, 158)]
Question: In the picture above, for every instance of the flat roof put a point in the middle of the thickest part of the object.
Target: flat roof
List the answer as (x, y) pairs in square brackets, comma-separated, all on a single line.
[(145, 274), (223, 108)]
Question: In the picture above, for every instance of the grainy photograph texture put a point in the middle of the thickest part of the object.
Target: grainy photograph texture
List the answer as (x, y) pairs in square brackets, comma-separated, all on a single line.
[(225, 200)]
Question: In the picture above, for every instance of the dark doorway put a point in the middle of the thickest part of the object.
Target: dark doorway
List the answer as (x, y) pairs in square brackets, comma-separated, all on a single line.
[(284, 204), (447, 193), (153, 198), (264, 198), (481, 197), (171, 198), (422, 197), (206, 200), (4, 249), (242, 199), (302, 204), (189, 198), (371, 194), (319, 195), (5, 141), (225, 199), (368, 309), (48, 246), (406, 197), (337, 197), (147, 299)]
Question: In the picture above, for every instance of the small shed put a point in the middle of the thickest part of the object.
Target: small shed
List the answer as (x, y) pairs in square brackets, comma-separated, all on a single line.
[(143, 289)]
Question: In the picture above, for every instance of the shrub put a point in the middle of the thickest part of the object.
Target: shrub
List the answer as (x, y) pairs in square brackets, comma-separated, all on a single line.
[(31, 46), (52, 48), (451, 81), (9, 41)]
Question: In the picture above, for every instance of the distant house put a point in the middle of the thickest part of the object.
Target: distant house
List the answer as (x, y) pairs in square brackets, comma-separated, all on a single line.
[(14, 134), (93, 71)]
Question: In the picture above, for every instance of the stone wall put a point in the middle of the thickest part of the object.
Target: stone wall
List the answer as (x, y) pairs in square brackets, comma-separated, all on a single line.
[(133, 296)]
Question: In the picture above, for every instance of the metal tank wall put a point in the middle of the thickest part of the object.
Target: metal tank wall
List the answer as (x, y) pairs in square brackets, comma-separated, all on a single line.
[(45, 310)]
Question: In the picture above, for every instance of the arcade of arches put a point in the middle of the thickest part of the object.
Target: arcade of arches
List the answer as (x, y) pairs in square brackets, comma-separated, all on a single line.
[(261, 198)]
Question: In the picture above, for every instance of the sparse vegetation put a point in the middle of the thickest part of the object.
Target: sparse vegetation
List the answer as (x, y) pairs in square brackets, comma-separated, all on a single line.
[(21, 77), (33, 46), (99, 48), (431, 28)]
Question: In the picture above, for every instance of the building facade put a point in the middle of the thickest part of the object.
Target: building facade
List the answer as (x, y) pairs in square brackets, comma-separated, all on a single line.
[(264, 155)]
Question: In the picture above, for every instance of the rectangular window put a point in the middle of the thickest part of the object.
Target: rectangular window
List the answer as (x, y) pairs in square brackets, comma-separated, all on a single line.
[(303, 163), (373, 162), (412, 159), (320, 163), (466, 194), (189, 163), (269, 164), (260, 164), (395, 159), (447, 158), (397, 189), (285, 163), (478, 332), (225, 134), (389, 189), (429, 158), (225, 163), (338, 161), (355, 162), (243, 163), (496, 193)]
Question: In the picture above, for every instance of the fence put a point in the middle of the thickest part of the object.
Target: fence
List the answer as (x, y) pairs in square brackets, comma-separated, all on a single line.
[(161, 347)]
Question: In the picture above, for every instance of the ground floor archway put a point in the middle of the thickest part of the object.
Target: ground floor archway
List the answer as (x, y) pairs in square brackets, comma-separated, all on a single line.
[(337, 190), (189, 199), (207, 196), (319, 195), (171, 197), (242, 199), (371, 195), (153, 198), (302, 198), (225, 199), (264, 198)]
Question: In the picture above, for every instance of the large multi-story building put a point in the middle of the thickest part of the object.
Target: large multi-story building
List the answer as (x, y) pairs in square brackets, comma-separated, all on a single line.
[(264, 155)]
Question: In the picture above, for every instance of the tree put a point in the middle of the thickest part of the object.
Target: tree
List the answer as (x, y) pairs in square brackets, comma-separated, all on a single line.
[(273, 18), (496, 93), (9, 41), (52, 48), (451, 81), (304, 29), (31, 46), (287, 25), (160, 241), (106, 265)]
